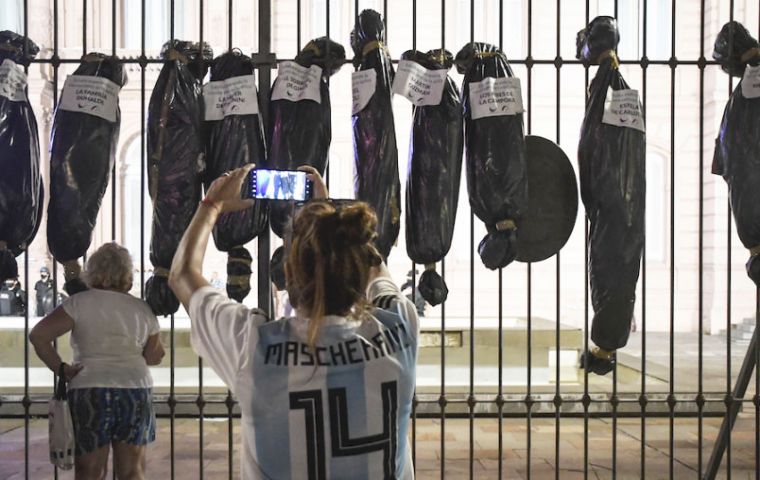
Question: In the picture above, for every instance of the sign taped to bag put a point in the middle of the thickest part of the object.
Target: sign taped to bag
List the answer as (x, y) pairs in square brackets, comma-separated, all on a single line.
[(495, 97), (296, 83), (12, 81), (623, 109), (751, 82), (234, 96), (96, 96), (363, 85), (418, 84)]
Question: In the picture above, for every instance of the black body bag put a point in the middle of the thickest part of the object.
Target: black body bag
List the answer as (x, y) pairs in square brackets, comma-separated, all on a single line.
[(737, 148), (375, 152), (495, 142), (435, 168), (176, 159), (82, 152), (300, 127), (611, 161), (21, 189), (235, 141)]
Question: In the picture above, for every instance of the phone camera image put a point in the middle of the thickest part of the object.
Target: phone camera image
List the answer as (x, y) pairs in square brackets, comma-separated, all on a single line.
[(279, 185)]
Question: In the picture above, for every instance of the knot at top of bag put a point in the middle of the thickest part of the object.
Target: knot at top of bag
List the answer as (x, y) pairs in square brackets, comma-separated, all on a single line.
[(600, 36), (735, 48), (231, 64), (476, 54), (324, 53), (195, 55), (439, 59), (17, 48), (104, 66), (368, 35)]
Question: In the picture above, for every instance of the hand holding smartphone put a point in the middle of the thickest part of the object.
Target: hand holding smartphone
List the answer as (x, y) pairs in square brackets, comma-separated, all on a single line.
[(279, 185)]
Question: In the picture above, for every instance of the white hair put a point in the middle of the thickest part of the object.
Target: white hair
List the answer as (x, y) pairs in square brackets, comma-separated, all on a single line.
[(110, 267)]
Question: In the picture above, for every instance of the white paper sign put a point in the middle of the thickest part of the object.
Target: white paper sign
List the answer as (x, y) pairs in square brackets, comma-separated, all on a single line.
[(751, 82), (234, 96), (296, 83), (96, 96), (494, 97), (363, 84), (418, 84), (12, 81), (622, 109)]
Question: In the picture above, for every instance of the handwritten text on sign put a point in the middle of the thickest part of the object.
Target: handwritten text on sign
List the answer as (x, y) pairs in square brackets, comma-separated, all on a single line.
[(493, 97), (12, 81), (295, 83), (418, 84), (91, 95), (751, 82), (622, 109), (234, 96), (363, 85)]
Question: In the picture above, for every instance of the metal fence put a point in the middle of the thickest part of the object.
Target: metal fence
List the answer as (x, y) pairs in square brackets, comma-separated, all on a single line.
[(527, 405)]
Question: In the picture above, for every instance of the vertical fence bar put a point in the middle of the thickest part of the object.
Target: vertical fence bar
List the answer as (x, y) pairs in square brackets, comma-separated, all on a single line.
[(54, 64), (414, 266), (500, 370), (113, 169), (558, 389), (586, 396), (143, 160), (643, 395), (529, 339), (200, 401), (671, 374), (729, 392), (613, 397), (172, 401), (26, 402), (700, 305), (230, 403), (471, 396)]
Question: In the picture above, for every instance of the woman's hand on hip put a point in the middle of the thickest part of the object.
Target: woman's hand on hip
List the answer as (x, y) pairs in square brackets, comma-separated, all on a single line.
[(71, 371)]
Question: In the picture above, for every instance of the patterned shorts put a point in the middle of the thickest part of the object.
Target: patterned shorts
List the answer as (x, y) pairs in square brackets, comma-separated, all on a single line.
[(105, 415)]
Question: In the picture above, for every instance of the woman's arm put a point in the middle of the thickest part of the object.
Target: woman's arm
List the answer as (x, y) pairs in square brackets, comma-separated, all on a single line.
[(42, 336), (222, 196), (153, 350)]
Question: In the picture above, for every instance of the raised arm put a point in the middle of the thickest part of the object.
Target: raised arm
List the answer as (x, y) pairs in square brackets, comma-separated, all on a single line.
[(222, 196)]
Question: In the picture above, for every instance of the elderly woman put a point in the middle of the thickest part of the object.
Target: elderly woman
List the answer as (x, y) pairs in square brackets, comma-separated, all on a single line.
[(114, 337)]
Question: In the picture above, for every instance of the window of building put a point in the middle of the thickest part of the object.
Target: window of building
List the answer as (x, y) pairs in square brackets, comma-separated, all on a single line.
[(12, 16)]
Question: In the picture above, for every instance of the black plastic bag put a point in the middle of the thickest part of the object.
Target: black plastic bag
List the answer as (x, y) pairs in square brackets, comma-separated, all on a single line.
[(375, 153), (611, 161), (496, 164), (21, 189), (435, 168), (176, 159), (300, 132), (82, 153), (737, 148), (235, 141)]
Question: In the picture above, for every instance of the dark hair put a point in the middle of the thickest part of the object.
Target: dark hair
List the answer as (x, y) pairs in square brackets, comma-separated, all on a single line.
[(329, 262)]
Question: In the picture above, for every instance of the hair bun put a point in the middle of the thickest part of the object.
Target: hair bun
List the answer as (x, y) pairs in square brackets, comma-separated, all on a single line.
[(356, 224)]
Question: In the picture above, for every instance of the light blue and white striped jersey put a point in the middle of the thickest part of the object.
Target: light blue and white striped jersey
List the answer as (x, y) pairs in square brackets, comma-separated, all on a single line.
[(340, 410)]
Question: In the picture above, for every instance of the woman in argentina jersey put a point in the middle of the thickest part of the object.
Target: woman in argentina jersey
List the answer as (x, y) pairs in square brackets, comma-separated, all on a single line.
[(327, 393)]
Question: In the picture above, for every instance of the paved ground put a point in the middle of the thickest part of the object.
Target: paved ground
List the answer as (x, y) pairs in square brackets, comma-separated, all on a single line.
[(455, 455)]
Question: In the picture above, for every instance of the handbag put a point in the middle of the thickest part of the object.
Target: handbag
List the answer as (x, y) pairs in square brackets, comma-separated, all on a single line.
[(61, 427)]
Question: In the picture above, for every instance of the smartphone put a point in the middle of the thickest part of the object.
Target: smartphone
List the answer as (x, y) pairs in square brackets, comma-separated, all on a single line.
[(279, 185)]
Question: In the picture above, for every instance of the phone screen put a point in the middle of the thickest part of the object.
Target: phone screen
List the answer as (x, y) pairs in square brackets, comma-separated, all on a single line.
[(279, 185)]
